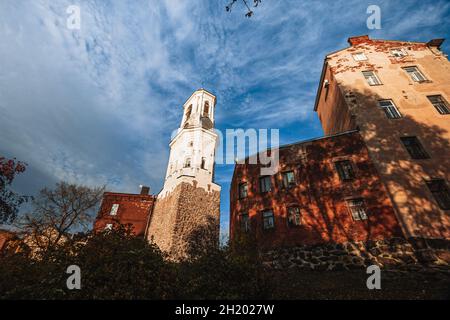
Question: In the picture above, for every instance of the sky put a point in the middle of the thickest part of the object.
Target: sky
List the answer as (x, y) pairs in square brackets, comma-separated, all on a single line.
[(97, 105)]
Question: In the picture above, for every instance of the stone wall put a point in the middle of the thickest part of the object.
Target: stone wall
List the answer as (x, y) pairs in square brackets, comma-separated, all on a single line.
[(186, 219), (388, 253)]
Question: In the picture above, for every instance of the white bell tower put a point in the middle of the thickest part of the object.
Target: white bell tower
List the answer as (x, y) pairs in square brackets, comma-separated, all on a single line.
[(192, 150), (187, 211)]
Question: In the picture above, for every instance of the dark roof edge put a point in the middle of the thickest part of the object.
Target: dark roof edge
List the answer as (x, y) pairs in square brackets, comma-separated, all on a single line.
[(319, 88)]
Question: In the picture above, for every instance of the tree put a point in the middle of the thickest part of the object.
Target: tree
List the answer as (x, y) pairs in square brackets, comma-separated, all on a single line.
[(10, 201), (249, 11), (57, 213)]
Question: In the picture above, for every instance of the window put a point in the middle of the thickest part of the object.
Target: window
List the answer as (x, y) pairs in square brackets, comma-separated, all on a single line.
[(108, 226), (359, 56), (268, 220), (414, 148), (187, 163), (243, 190), (345, 170), (390, 109), (188, 112), (399, 53), (294, 218), (114, 209), (203, 165), (440, 104), (415, 74), (288, 179), (245, 222), (439, 189), (357, 209), (371, 78), (326, 85), (265, 184), (206, 109)]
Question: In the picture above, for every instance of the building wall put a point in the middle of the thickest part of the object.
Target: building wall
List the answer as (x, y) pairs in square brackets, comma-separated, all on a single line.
[(184, 220), (405, 178), (134, 209), (319, 193), (334, 114)]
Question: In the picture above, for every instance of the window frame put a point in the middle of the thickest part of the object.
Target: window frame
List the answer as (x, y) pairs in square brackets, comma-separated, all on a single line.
[(354, 55), (263, 190), (245, 228), (417, 146), (444, 201), (442, 103), (241, 184), (264, 218), (416, 71), (339, 166), (374, 75), (388, 109), (298, 217), (114, 209), (284, 182), (358, 215), (402, 52)]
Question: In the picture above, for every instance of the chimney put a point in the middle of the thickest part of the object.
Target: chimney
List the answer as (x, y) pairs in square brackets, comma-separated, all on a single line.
[(144, 190), (357, 40)]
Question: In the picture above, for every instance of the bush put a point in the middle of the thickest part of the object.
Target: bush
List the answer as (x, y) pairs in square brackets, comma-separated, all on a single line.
[(117, 265)]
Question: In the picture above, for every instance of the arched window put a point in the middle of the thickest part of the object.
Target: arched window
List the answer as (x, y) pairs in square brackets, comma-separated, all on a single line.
[(187, 163), (203, 166), (206, 109), (188, 112)]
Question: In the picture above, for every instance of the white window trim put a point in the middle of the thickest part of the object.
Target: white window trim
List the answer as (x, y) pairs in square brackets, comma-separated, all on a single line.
[(413, 75), (392, 106), (114, 209), (360, 214), (362, 54), (374, 75), (399, 52)]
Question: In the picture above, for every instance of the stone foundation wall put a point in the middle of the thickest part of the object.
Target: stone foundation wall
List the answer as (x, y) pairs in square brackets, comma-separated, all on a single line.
[(388, 253), (185, 220)]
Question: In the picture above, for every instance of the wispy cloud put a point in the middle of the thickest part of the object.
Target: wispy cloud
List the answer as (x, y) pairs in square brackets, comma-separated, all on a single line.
[(98, 105)]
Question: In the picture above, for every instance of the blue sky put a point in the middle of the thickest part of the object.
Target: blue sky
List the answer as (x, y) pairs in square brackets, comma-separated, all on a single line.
[(97, 105)]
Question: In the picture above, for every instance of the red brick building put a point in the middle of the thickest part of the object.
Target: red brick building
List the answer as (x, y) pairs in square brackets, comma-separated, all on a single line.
[(325, 190), (126, 209)]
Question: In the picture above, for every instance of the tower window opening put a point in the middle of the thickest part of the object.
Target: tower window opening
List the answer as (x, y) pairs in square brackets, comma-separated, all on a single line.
[(203, 165), (188, 113), (187, 163), (206, 109)]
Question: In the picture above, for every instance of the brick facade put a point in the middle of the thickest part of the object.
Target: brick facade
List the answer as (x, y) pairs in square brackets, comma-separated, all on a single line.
[(133, 209), (318, 192)]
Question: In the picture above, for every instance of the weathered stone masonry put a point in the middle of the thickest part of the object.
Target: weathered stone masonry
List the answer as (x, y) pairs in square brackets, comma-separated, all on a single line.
[(183, 218)]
